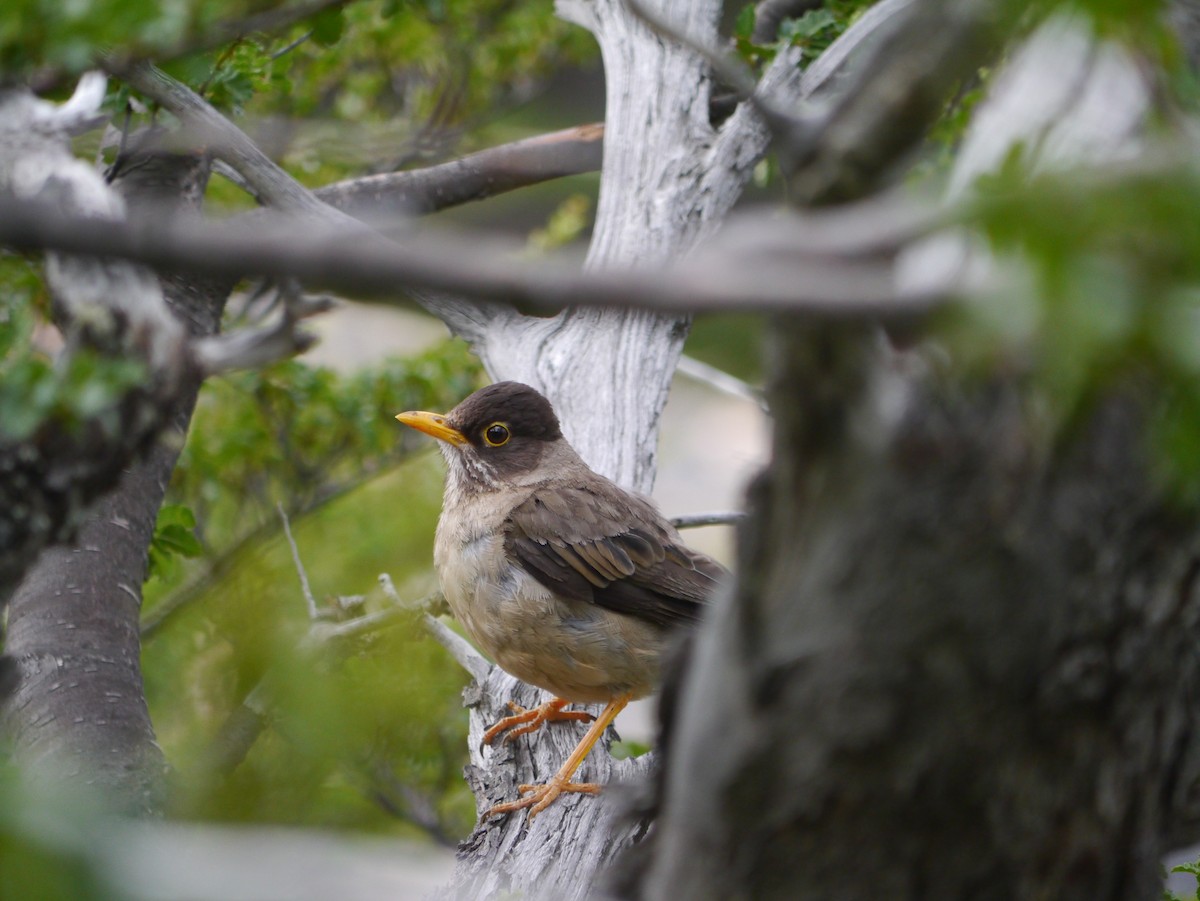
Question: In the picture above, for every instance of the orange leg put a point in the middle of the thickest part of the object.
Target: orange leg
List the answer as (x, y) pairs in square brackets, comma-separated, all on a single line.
[(532, 719), (541, 796)]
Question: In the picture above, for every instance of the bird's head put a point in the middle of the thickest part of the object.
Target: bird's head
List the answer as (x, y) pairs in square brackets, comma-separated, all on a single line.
[(498, 433)]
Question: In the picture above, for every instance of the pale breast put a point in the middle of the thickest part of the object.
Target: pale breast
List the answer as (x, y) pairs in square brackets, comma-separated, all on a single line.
[(577, 650)]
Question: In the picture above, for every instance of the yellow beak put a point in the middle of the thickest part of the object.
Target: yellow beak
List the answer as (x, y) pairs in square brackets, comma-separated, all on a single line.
[(433, 424)]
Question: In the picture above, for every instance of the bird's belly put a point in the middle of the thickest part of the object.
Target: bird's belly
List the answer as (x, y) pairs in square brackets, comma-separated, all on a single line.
[(577, 650)]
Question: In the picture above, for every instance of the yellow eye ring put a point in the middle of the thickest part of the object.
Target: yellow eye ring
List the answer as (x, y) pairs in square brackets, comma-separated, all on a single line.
[(496, 434)]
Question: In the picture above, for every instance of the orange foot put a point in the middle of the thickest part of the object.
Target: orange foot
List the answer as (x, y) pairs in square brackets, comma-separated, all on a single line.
[(541, 796), (532, 719)]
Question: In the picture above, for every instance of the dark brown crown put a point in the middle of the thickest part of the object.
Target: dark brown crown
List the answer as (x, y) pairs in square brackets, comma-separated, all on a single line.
[(522, 409)]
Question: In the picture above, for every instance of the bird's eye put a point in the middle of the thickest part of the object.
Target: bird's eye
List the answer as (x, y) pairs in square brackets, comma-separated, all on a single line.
[(496, 434)]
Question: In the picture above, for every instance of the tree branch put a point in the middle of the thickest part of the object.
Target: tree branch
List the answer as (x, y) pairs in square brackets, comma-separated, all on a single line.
[(278, 189), (696, 520), (869, 129), (868, 28), (729, 69), (758, 275), (306, 589), (228, 142), (78, 710), (771, 111), (487, 173), (720, 380)]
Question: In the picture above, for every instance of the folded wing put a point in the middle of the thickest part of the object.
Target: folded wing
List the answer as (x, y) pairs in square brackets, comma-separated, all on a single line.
[(616, 552)]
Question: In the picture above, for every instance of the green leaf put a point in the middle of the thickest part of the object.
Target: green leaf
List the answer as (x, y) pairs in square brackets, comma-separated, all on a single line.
[(627, 748), (809, 25), (566, 224), (176, 515), (1193, 869), (328, 26), (744, 26), (174, 537)]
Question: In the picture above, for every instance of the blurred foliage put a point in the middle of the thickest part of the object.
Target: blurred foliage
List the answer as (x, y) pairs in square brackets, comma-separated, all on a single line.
[(1192, 869), (368, 85), (359, 735), (729, 341), (1114, 261), (46, 851), (811, 32), (569, 222), (36, 389), (358, 59), (359, 732), (628, 748), (384, 84), (353, 731), (174, 538), (295, 434), (37, 35)]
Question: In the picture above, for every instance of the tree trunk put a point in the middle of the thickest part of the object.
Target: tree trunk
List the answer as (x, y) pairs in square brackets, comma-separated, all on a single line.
[(960, 663), (78, 710), (48, 478), (962, 654), (668, 178)]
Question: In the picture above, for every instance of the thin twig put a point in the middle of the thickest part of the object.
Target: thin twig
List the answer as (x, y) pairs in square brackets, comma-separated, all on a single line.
[(720, 380), (229, 142), (313, 612), (695, 520), (460, 649), (288, 48)]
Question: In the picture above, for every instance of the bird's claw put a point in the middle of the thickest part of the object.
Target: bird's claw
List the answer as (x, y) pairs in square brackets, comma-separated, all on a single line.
[(542, 796), (524, 721)]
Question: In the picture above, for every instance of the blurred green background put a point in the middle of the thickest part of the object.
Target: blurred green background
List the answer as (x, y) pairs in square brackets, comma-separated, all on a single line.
[(261, 723)]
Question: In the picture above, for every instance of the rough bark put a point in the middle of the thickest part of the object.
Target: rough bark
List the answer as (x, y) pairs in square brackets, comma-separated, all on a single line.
[(962, 656), (960, 663), (78, 710), (607, 372), (562, 853), (667, 179), (48, 478)]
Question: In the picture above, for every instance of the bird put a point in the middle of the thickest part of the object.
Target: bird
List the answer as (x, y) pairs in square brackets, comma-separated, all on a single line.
[(562, 577)]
